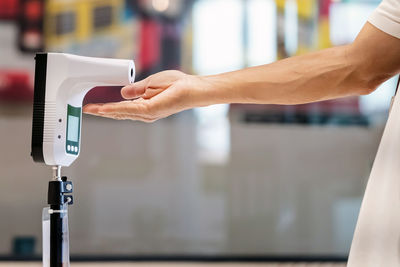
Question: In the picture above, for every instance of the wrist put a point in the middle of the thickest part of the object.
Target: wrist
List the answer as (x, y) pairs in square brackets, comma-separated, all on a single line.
[(201, 91), (222, 88), (214, 89)]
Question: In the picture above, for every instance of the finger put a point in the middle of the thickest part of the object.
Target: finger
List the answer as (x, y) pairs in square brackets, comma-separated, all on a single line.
[(166, 101), (159, 81), (91, 109), (138, 118), (135, 90), (118, 116), (151, 93), (132, 110), (125, 107), (111, 116)]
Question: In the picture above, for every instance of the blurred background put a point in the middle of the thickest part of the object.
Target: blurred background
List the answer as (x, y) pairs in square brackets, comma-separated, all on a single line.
[(262, 181)]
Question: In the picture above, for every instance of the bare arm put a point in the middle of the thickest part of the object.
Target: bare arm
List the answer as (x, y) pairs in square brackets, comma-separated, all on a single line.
[(353, 69), (348, 70)]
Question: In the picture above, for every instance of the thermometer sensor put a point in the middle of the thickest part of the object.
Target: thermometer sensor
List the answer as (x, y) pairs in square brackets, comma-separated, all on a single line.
[(61, 83)]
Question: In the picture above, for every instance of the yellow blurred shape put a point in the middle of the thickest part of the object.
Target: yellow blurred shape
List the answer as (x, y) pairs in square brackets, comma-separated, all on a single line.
[(305, 8), (324, 40), (82, 28)]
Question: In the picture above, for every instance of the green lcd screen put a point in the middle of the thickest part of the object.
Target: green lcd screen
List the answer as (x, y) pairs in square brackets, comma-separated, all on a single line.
[(73, 130)]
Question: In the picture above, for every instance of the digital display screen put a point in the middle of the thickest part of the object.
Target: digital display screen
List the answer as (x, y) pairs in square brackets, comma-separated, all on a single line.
[(73, 128)]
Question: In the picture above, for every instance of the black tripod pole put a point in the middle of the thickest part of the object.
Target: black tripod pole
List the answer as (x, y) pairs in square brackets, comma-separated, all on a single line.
[(58, 201), (56, 235)]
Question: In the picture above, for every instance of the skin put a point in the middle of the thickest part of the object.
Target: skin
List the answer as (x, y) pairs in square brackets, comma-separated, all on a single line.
[(350, 70)]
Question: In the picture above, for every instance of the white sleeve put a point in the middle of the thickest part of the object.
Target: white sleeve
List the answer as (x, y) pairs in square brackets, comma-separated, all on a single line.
[(387, 17)]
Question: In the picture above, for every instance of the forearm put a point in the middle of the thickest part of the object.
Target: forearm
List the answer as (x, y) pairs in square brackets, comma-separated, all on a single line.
[(313, 77), (349, 70)]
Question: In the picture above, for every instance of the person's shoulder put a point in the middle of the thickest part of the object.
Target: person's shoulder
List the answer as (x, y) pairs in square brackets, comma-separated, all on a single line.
[(386, 17)]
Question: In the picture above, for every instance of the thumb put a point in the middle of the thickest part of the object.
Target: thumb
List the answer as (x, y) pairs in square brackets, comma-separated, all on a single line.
[(134, 90)]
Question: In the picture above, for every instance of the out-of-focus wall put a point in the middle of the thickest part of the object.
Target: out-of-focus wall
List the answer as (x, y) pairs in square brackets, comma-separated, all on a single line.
[(296, 190), (140, 188)]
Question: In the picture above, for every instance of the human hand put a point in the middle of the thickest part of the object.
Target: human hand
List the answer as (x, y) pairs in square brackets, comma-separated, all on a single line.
[(158, 96)]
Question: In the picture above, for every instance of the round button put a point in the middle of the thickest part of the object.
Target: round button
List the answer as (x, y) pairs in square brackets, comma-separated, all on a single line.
[(76, 149), (68, 147)]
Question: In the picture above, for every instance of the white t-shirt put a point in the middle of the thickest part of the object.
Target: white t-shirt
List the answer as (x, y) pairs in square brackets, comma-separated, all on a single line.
[(387, 17)]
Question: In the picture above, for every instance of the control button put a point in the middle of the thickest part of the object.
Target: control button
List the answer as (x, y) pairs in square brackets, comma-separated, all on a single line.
[(68, 147), (76, 149)]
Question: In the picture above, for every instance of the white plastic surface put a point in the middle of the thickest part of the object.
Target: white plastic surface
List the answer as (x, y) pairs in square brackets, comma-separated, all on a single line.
[(68, 79)]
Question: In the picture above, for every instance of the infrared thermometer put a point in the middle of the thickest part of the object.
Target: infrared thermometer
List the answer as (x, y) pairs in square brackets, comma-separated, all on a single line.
[(61, 83)]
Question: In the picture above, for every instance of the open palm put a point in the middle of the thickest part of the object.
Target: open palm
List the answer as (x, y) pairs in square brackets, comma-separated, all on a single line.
[(158, 96)]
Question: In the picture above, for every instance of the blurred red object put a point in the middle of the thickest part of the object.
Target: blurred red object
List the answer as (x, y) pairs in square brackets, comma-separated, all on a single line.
[(9, 9), (30, 22), (150, 44), (324, 7), (15, 85), (33, 10)]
